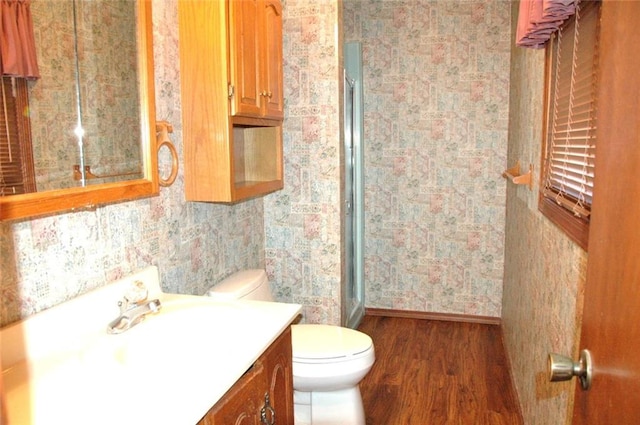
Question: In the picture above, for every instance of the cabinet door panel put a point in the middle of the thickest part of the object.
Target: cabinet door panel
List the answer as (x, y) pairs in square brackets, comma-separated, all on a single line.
[(242, 403), (271, 375), (272, 59), (245, 60), (278, 366)]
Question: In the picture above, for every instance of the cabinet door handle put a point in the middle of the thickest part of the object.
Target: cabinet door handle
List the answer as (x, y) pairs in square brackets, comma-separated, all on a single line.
[(270, 418)]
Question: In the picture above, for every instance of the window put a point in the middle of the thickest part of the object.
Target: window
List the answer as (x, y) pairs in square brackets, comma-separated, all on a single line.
[(17, 173), (568, 166)]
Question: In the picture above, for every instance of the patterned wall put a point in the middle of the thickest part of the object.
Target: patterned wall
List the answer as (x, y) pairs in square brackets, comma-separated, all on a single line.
[(302, 222), (50, 260), (436, 87), (544, 271)]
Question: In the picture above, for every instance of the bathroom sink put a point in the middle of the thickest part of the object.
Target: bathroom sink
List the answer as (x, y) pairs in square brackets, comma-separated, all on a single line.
[(193, 330), (61, 365), (173, 347)]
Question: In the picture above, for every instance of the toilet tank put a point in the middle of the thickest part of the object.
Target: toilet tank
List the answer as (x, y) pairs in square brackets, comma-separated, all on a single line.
[(250, 284)]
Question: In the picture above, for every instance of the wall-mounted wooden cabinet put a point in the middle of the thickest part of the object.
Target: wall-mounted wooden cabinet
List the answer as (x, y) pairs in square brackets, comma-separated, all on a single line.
[(232, 98), (265, 389)]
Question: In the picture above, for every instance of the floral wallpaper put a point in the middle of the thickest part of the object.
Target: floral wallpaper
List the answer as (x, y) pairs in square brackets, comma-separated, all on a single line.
[(49, 260), (303, 228), (107, 55), (436, 93), (545, 272)]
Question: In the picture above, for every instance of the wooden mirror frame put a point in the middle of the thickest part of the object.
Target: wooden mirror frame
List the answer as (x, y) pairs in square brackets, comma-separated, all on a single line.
[(89, 197)]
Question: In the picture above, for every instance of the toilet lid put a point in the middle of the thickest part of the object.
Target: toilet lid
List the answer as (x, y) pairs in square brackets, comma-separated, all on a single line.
[(327, 342)]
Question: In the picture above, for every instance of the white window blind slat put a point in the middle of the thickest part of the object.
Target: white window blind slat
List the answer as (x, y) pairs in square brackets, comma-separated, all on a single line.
[(569, 170), (577, 167), (579, 123), (572, 177)]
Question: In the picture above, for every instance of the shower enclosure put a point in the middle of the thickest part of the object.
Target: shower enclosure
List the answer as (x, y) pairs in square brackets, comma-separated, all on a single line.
[(353, 289)]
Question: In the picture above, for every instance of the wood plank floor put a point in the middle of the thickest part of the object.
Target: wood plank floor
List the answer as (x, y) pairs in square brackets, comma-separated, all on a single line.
[(437, 372)]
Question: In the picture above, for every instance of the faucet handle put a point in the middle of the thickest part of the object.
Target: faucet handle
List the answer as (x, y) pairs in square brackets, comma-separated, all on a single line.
[(136, 293)]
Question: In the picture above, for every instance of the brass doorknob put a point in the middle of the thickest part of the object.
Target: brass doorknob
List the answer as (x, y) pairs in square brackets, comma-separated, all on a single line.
[(562, 368)]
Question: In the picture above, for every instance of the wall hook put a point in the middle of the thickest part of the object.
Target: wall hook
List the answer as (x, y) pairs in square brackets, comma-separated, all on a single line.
[(513, 174)]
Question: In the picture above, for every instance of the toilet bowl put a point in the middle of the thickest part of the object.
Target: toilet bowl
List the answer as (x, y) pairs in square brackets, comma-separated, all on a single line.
[(328, 361)]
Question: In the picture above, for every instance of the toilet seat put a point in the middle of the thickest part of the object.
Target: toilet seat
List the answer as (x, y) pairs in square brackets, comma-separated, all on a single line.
[(320, 344), (329, 358)]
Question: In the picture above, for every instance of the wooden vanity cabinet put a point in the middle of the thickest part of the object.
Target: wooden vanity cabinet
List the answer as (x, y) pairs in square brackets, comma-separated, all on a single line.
[(246, 402), (232, 98)]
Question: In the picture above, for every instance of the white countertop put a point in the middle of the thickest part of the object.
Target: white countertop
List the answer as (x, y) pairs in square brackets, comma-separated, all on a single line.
[(61, 367)]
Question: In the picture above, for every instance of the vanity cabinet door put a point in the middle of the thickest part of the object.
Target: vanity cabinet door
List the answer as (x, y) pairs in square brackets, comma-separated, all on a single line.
[(242, 403), (278, 367), (256, 59), (263, 395)]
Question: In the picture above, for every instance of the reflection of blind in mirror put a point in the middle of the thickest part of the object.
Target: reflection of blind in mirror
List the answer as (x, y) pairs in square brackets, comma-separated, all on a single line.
[(16, 162)]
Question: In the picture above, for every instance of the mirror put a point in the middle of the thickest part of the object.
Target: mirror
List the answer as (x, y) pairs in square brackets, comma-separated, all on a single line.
[(113, 153), (83, 110)]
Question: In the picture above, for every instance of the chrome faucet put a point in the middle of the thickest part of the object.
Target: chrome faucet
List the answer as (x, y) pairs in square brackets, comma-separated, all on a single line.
[(134, 306)]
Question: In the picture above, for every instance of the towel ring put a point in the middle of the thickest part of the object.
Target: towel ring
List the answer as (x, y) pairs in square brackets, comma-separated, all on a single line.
[(163, 129)]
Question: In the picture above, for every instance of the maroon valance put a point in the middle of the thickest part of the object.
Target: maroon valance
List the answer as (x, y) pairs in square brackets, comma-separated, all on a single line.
[(17, 44), (538, 19)]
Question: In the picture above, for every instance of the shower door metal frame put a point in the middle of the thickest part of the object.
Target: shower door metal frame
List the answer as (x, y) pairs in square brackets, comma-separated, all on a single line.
[(353, 299)]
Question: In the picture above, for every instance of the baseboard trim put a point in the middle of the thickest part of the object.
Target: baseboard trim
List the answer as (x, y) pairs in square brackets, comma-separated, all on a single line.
[(511, 375), (450, 317)]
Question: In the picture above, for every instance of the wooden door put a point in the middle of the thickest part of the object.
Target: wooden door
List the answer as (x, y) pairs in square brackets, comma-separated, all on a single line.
[(611, 317), (272, 71)]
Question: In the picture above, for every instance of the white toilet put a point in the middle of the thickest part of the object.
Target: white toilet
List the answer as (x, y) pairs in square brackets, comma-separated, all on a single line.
[(328, 361)]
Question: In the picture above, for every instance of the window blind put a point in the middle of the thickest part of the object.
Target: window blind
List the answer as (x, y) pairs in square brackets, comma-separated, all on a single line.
[(17, 173), (571, 140)]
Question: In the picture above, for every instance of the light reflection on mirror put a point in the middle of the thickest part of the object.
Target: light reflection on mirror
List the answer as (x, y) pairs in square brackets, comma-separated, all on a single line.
[(84, 110)]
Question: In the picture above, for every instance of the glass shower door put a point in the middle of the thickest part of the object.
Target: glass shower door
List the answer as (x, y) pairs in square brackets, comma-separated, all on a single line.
[(353, 291)]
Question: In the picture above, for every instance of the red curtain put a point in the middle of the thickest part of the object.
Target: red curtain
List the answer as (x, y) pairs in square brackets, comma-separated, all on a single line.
[(538, 19), (17, 44)]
